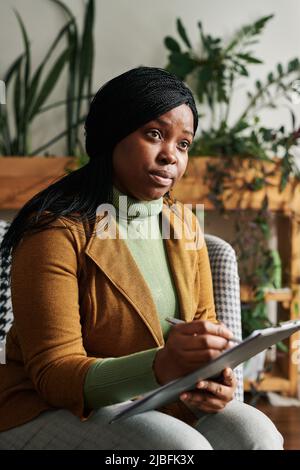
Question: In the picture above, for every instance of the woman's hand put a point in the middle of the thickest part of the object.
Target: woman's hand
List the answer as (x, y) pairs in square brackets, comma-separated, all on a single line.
[(210, 396), (189, 345)]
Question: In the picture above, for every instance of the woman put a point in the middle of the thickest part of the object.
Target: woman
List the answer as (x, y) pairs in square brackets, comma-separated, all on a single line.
[(91, 290)]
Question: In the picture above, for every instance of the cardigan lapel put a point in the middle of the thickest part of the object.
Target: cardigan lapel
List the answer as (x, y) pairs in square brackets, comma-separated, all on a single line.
[(181, 260), (113, 257)]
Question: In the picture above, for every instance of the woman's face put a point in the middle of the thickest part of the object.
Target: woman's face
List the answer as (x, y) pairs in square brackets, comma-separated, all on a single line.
[(148, 162)]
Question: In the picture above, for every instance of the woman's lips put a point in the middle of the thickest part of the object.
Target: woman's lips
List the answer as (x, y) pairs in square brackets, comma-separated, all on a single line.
[(161, 180)]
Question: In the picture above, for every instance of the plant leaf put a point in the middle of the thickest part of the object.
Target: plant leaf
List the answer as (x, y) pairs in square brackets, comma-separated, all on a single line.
[(72, 86), (181, 64), (250, 59), (245, 35), (18, 107), (86, 52), (24, 83), (65, 8), (182, 33), (172, 44), (49, 82), (280, 69), (12, 69), (32, 92), (27, 51)]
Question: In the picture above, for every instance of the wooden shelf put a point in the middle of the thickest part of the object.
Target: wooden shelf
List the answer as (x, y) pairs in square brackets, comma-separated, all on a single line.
[(270, 384), (195, 189), (279, 295), (23, 177)]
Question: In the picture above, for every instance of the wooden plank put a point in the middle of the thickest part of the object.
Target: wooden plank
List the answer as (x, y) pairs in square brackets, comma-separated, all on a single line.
[(195, 186), (270, 384), (294, 343), (295, 255), (247, 295), (23, 177)]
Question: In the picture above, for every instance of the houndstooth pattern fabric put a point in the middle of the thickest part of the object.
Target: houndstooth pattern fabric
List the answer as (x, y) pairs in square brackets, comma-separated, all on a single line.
[(226, 284), (6, 314)]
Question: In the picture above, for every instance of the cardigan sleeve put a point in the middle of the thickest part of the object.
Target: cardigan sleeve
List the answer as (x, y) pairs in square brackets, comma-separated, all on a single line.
[(45, 302), (116, 379)]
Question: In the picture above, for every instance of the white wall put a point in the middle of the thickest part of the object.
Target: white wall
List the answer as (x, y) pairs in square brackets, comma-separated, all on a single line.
[(129, 33)]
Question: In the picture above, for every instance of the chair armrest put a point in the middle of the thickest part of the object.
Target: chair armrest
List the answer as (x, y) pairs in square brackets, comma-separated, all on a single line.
[(226, 285)]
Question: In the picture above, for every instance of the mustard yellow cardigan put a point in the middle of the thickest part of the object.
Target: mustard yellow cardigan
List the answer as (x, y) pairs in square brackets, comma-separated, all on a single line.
[(77, 298)]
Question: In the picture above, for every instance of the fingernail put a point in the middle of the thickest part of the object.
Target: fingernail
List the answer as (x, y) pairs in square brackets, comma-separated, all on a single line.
[(201, 385), (184, 396)]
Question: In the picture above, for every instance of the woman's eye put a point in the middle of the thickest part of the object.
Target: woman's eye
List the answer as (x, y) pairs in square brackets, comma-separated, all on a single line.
[(186, 145), (154, 133)]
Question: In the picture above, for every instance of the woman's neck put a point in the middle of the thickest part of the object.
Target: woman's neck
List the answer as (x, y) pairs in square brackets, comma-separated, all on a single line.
[(131, 208)]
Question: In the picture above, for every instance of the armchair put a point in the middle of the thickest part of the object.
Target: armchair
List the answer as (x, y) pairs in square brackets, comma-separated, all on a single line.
[(226, 284)]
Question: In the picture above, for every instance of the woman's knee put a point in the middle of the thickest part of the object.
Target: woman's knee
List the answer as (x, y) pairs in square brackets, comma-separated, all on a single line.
[(154, 430), (240, 426), (262, 434)]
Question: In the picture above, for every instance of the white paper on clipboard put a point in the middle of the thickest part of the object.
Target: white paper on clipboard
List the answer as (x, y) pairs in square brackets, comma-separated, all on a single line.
[(258, 341)]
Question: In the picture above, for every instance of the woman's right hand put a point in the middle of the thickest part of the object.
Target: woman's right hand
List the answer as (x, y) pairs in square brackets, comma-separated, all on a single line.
[(189, 345)]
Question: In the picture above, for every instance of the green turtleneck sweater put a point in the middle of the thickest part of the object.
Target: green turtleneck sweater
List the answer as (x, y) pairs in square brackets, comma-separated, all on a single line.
[(113, 380)]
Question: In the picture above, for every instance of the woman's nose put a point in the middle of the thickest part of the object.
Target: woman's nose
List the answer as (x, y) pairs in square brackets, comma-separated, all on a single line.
[(167, 154)]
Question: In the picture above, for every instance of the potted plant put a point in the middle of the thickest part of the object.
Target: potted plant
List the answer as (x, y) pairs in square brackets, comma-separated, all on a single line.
[(22, 172), (243, 164), (213, 75)]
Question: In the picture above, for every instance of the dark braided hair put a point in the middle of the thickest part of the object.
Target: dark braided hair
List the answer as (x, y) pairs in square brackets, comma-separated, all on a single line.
[(120, 107)]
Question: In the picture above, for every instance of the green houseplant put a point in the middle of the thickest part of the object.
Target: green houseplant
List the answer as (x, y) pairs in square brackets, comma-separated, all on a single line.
[(213, 73), (28, 92), (31, 89), (80, 77)]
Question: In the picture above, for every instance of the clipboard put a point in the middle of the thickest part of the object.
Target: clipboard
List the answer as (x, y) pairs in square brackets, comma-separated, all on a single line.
[(255, 343)]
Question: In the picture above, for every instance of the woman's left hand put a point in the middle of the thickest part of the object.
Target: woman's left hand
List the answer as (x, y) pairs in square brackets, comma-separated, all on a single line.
[(209, 396)]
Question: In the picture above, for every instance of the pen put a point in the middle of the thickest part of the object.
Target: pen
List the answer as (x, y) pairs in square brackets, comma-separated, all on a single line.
[(175, 321)]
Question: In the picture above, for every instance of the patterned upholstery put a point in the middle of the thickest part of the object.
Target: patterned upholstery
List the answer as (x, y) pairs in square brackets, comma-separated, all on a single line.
[(6, 315), (226, 284), (225, 280)]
